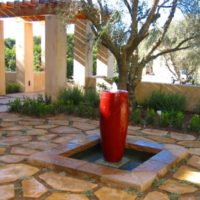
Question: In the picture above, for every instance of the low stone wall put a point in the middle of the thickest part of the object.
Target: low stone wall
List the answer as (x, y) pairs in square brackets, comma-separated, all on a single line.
[(192, 93)]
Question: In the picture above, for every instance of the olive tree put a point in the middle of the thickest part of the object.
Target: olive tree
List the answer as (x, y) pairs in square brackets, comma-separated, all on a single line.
[(126, 26)]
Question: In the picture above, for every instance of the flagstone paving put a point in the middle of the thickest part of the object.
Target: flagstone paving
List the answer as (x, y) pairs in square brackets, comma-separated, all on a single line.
[(23, 136)]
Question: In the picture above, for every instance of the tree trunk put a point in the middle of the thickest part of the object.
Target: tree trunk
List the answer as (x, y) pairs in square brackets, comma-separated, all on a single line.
[(134, 78), (123, 71)]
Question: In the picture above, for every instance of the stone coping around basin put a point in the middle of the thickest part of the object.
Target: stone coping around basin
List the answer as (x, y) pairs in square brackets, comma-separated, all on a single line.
[(140, 177)]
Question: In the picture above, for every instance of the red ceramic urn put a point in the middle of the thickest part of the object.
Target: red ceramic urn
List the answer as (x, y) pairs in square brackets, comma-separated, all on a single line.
[(113, 124)]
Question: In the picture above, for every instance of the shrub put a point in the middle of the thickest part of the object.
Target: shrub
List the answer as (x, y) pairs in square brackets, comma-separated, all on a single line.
[(74, 95), (15, 106), (197, 109), (36, 107), (136, 116), (91, 98), (12, 88), (165, 101), (151, 116), (164, 119), (71, 101), (178, 120), (194, 123)]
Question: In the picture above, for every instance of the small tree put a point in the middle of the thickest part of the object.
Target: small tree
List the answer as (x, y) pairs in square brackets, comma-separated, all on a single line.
[(186, 60), (126, 38)]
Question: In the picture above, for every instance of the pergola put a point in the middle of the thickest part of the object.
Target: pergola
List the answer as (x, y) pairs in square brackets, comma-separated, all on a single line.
[(54, 40)]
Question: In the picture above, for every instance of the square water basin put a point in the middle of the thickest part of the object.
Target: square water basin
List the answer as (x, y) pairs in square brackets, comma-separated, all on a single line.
[(143, 161)]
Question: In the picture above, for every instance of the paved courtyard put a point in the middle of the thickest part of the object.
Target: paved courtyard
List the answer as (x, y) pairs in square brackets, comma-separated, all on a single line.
[(22, 136)]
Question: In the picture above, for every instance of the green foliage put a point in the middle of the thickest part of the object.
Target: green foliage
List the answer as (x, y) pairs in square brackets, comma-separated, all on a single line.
[(15, 106), (164, 119), (166, 101), (151, 116), (136, 116), (10, 54), (178, 120), (174, 196), (37, 53), (88, 193), (91, 97), (158, 182), (12, 88), (70, 55), (35, 107), (74, 95), (197, 109), (194, 123)]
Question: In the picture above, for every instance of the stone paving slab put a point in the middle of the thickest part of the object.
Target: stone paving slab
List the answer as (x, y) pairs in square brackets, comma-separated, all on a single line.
[(33, 188), (106, 193), (64, 183), (189, 174), (66, 196)]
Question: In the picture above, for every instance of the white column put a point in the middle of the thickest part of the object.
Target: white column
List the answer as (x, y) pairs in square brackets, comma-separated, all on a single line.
[(2, 61), (55, 56), (105, 62), (83, 61), (24, 56)]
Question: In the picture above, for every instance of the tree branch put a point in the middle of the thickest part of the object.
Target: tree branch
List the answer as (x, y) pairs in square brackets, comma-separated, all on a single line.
[(134, 40), (128, 6), (169, 50), (165, 29)]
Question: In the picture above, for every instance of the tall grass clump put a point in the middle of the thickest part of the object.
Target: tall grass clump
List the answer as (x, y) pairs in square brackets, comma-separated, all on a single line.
[(39, 106), (166, 101), (136, 116), (12, 88), (194, 124)]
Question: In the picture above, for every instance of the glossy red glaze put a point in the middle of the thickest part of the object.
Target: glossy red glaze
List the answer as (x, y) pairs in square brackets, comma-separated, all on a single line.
[(113, 124)]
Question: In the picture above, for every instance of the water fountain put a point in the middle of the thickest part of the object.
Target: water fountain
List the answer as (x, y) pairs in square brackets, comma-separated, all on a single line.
[(111, 158)]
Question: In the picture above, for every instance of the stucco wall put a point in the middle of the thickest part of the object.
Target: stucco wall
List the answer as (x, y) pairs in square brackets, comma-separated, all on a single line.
[(192, 93), (38, 79)]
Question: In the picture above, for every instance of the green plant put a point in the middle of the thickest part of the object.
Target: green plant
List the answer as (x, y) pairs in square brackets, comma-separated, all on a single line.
[(10, 54), (197, 109), (178, 120), (164, 120), (133, 191), (165, 101), (75, 95), (36, 107), (88, 193), (15, 106), (12, 88), (158, 182), (102, 86), (91, 97), (194, 123), (136, 116), (151, 116), (174, 196)]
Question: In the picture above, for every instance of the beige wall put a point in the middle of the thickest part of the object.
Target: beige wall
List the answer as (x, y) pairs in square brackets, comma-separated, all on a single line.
[(39, 80), (10, 77), (192, 93)]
